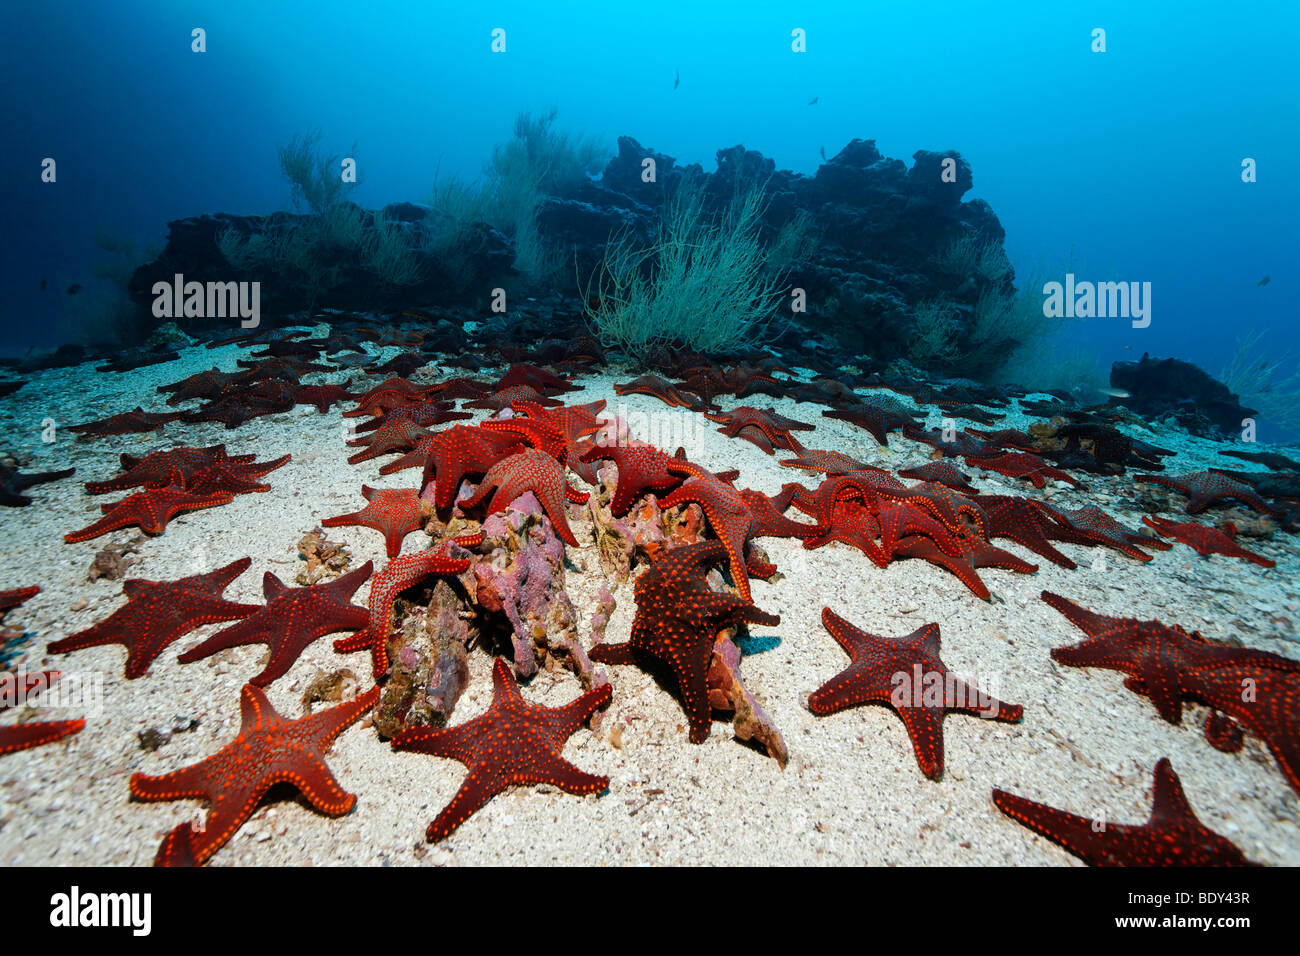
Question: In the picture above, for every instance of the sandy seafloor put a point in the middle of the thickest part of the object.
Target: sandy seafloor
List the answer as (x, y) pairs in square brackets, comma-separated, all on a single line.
[(852, 792)]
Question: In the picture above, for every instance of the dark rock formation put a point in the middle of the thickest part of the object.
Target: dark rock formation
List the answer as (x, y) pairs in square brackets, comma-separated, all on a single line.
[(1160, 387), (877, 223)]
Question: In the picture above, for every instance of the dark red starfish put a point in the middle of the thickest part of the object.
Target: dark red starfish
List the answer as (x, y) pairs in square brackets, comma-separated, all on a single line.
[(1204, 488), (291, 620), (641, 468), (235, 477), (763, 427), (529, 470), (906, 674), (513, 744), (1018, 464), (322, 396), (831, 462), (394, 513), (398, 575), (973, 553), (25, 736), (1022, 521), (1206, 540), (554, 431), (877, 418), (732, 518), (158, 612), (268, 750), (1092, 526), (1255, 688), (539, 378), (678, 617), (150, 510), (854, 524), (396, 436), (1173, 836), (459, 451), (508, 396), (940, 472), (15, 596), (154, 468), (123, 424), (660, 389), (199, 385)]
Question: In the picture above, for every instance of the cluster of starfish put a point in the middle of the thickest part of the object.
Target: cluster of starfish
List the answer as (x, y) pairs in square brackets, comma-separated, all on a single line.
[(530, 445)]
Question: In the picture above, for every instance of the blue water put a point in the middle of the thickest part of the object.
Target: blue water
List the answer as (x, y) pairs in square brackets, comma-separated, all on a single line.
[(1124, 163)]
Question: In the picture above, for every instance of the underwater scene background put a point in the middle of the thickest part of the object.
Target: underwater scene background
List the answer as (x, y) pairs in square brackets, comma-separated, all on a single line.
[(881, 415)]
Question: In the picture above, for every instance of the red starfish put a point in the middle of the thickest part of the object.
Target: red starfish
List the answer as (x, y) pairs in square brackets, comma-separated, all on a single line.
[(454, 388), (1022, 521), (268, 750), (538, 378), (556, 432), (398, 575), (25, 736), (906, 674), (125, 423), (641, 468), (236, 478), (459, 451), (1206, 540), (1171, 837), (1091, 526), (291, 620), (1206, 487), (426, 413), (1015, 464), (394, 513), (876, 418), (322, 396), (656, 386), (764, 428), (853, 524), (508, 396), (396, 386), (388, 438), (156, 467), (732, 518), (150, 510), (529, 470), (200, 385), (831, 462), (939, 472), (677, 621), (514, 743), (15, 596), (973, 553), (1167, 664), (158, 612)]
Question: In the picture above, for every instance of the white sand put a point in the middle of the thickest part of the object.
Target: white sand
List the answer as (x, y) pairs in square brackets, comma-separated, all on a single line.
[(852, 792)]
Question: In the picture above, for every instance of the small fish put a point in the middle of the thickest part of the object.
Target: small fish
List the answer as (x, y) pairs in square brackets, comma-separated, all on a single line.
[(74, 288), (677, 81), (44, 283), (1263, 281), (813, 101), (822, 150)]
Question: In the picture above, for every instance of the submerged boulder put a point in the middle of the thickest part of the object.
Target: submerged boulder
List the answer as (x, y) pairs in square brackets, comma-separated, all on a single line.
[(1173, 387)]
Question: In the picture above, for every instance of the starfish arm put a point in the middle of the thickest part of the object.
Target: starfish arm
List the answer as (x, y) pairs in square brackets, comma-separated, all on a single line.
[(187, 783), (567, 719), (1091, 623), (841, 692), (25, 736), (473, 794), (603, 653), (845, 634), (1074, 833), (316, 782), (454, 743), (925, 728), (251, 630), (555, 770), (323, 726)]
